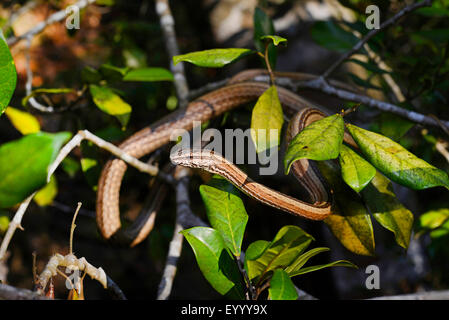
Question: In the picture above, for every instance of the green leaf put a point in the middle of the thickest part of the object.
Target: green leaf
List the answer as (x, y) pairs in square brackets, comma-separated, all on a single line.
[(350, 222), (396, 162), (225, 211), (8, 75), (90, 75), (24, 165), (45, 196), (433, 219), (440, 232), (302, 260), (267, 116), (332, 37), (355, 170), (148, 75), (276, 40), (215, 262), (287, 245), (281, 287), (387, 210), (338, 263), (263, 26), (321, 140), (46, 90), (213, 58), (256, 249), (110, 103), (24, 122), (112, 73)]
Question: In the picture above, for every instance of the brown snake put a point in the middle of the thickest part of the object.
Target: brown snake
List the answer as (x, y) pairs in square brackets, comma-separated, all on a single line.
[(210, 105)]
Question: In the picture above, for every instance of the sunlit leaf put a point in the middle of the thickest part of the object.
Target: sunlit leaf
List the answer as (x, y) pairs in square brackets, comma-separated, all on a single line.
[(24, 165), (24, 122), (275, 39), (267, 117), (355, 170), (213, 58), (263, 257), (45, 196), (148, 75), (321, 140), (109, 102), (338, 263), (396, 162), (433, 219)]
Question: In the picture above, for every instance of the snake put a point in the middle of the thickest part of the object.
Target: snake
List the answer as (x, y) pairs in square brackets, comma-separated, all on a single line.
[(240, 90)]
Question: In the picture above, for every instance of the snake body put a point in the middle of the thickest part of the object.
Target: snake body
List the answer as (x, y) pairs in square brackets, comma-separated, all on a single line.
[(202, 109)]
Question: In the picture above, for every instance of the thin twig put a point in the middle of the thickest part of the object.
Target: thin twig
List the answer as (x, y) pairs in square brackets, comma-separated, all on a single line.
[(73, 226), (12, 293), (72, 144), (29, 83), (168, 28), (372, 33), (183, 214), (55, 17)]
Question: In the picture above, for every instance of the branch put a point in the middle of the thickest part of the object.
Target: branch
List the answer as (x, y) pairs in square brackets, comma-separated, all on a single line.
[(184, 219), (72, 144), (372, 33), (323, 86), (12, 293), (168, 28), (430, 295), (55, 17)]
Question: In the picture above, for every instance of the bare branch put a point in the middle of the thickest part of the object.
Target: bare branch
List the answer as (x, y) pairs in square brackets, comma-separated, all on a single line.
[(430, 295), (184, 219), (72, 144), (55, 17), (168, 27), (372, 33), (12, 293)]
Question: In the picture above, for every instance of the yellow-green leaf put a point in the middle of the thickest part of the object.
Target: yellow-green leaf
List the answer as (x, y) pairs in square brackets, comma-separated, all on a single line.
[(350, 222), (45, 90), (356, 171), (275, 39), (432, 219), (320, 140), (396, 162), (25, 122), (109, 102), (213, 58), (45, 196), (267, 120)]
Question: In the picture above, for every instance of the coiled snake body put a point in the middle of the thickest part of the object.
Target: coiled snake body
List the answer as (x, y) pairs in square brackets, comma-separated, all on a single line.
[(210, 105)]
